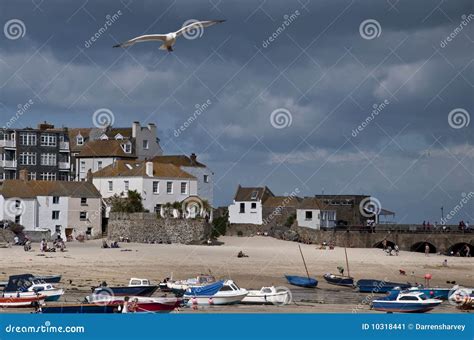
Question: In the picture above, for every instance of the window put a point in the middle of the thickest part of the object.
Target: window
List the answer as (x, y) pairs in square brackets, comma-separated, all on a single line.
[(145, 144), (111, 186), (127, 147), (55, 199), (48, 159), (58, 229), (27, 138), (99, 165), (308, 216), (48, 176), (254, 195), (156, 188), (32, 176), (83, 166), (169, 187), (89, 231), (184, 187), (79, 140), (254, 206), (55, 215), (27, 158), (158, 208), (242, 208), (126, 185), (206, 178), (48, 139), (83, 200), (18, 219), (83, 215)]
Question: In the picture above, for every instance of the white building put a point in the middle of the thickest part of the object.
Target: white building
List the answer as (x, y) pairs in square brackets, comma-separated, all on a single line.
[(312, 213), (65, 208), (157, 183), (247, 207), (204, 175)]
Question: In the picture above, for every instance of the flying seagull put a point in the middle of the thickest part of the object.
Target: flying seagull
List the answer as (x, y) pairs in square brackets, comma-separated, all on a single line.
[(191, 31)]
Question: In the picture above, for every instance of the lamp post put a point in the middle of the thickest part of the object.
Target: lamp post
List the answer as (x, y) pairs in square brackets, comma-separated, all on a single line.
[(442, 214)]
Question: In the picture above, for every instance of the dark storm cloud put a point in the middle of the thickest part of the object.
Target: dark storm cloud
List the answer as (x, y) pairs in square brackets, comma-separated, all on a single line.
[(319, 68)]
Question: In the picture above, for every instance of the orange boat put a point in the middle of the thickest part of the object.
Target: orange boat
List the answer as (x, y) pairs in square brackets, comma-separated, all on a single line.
[(15, 302)]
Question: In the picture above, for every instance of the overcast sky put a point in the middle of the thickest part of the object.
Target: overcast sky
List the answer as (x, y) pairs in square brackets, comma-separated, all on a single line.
[(321, 74)]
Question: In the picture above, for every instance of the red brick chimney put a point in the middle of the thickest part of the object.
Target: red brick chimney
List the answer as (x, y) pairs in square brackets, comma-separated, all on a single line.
[(193, 158), (23, 175)]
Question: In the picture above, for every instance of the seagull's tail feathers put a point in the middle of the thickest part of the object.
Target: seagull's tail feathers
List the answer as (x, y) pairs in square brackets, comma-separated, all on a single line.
[(163, 47)]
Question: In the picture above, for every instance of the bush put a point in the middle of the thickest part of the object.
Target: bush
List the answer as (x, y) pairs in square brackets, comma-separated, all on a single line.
[(219, 226), (130, 204), (240, 233), (290, 220)]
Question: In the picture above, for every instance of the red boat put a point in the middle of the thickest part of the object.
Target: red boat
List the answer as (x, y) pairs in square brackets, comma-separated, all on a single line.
[(138, 304), (16, 302)]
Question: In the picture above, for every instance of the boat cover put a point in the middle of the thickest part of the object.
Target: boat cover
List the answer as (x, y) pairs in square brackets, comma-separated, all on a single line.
[(19, 283), (207, 290)]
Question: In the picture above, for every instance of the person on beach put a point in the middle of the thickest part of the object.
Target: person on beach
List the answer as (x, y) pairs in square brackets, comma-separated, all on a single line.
[(467, 250), (427, 249), (43, 246), (397, 250), (125, 305)]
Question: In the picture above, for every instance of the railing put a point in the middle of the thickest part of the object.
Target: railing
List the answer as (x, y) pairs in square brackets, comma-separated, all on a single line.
[(7, 143), (406, 229), (64, 165), (63, 145), (8, 164)]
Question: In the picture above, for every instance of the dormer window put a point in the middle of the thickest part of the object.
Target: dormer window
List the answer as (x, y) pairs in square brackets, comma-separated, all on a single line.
[(127, 147), (254, 195), (79, 140), (104, 137), (118, 136)]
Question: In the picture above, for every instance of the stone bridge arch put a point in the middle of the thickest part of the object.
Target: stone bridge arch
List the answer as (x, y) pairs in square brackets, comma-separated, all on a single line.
[(419, 247), (461, 248), (379, 244)]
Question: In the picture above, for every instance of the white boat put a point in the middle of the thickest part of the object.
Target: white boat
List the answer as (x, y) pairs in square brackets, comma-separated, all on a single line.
[(228, 294), (200, 280), (405, 302), (268, 295), (36, 287)]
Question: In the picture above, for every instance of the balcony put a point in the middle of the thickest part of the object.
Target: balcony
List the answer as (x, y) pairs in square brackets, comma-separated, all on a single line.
[(64, 146), (64, 165), (8, 164), (7, 144)]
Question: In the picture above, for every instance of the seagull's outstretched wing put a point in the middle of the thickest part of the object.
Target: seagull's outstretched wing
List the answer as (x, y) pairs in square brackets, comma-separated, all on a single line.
[(197, 25), (142, 38)]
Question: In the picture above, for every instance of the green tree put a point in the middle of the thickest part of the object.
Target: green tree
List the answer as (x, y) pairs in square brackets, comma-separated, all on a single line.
[(130, 204)]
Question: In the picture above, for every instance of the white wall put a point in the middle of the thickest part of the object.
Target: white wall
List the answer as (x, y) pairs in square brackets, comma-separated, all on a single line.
[(92, 164), (204, 190), (45, 208), (319, 219), (251, 216)]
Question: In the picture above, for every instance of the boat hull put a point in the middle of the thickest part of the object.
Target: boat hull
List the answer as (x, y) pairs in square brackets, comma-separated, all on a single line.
[(80, 309), (127, 291), (49, 278), (378, 286), (50, 295), (403, 307), (214, 300), (255, 297), (16, 302), (301, 281), (338, 280)]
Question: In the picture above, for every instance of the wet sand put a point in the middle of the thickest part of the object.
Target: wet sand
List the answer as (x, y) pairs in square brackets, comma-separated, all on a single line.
[(85, 265)]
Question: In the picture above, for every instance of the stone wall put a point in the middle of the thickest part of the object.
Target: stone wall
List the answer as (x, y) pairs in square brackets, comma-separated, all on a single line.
[(38, 235), (146, 227), (6, 236)]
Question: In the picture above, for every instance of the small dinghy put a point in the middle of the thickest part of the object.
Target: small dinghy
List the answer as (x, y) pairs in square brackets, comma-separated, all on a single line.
[(49, 278), (180, 286), (405, 302), (27, 285), (379, 286), (302, 281), (16, 302), (268, 295), (339, 280)]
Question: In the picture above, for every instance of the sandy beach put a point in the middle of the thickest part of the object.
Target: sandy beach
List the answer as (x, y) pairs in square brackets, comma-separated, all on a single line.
[(86, 264)]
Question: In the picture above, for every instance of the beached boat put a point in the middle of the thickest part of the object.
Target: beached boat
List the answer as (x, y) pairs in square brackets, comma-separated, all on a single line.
[(179, 287), (379, 286), (136, 287), (463, 298), (434, 293), (302, 281), (268, 295), (218, 293), (339, 280), (405, 302), (82, 308), (49, 278), (17, 302), (27, 285)]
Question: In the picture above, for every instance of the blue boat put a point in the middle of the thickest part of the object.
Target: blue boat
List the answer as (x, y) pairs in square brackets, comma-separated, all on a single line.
[(434, 293), (49, 278), (302, 281), (379, 286), (208, 290), (405, 302), (126, 291)]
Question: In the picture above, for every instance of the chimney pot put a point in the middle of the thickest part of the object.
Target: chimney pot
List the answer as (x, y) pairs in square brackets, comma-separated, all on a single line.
[(23, 175), (149, 169), (193, 158)]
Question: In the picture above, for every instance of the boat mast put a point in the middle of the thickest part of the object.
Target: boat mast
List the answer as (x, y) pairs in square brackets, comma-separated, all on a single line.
[(304, 262), (347, 263)]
